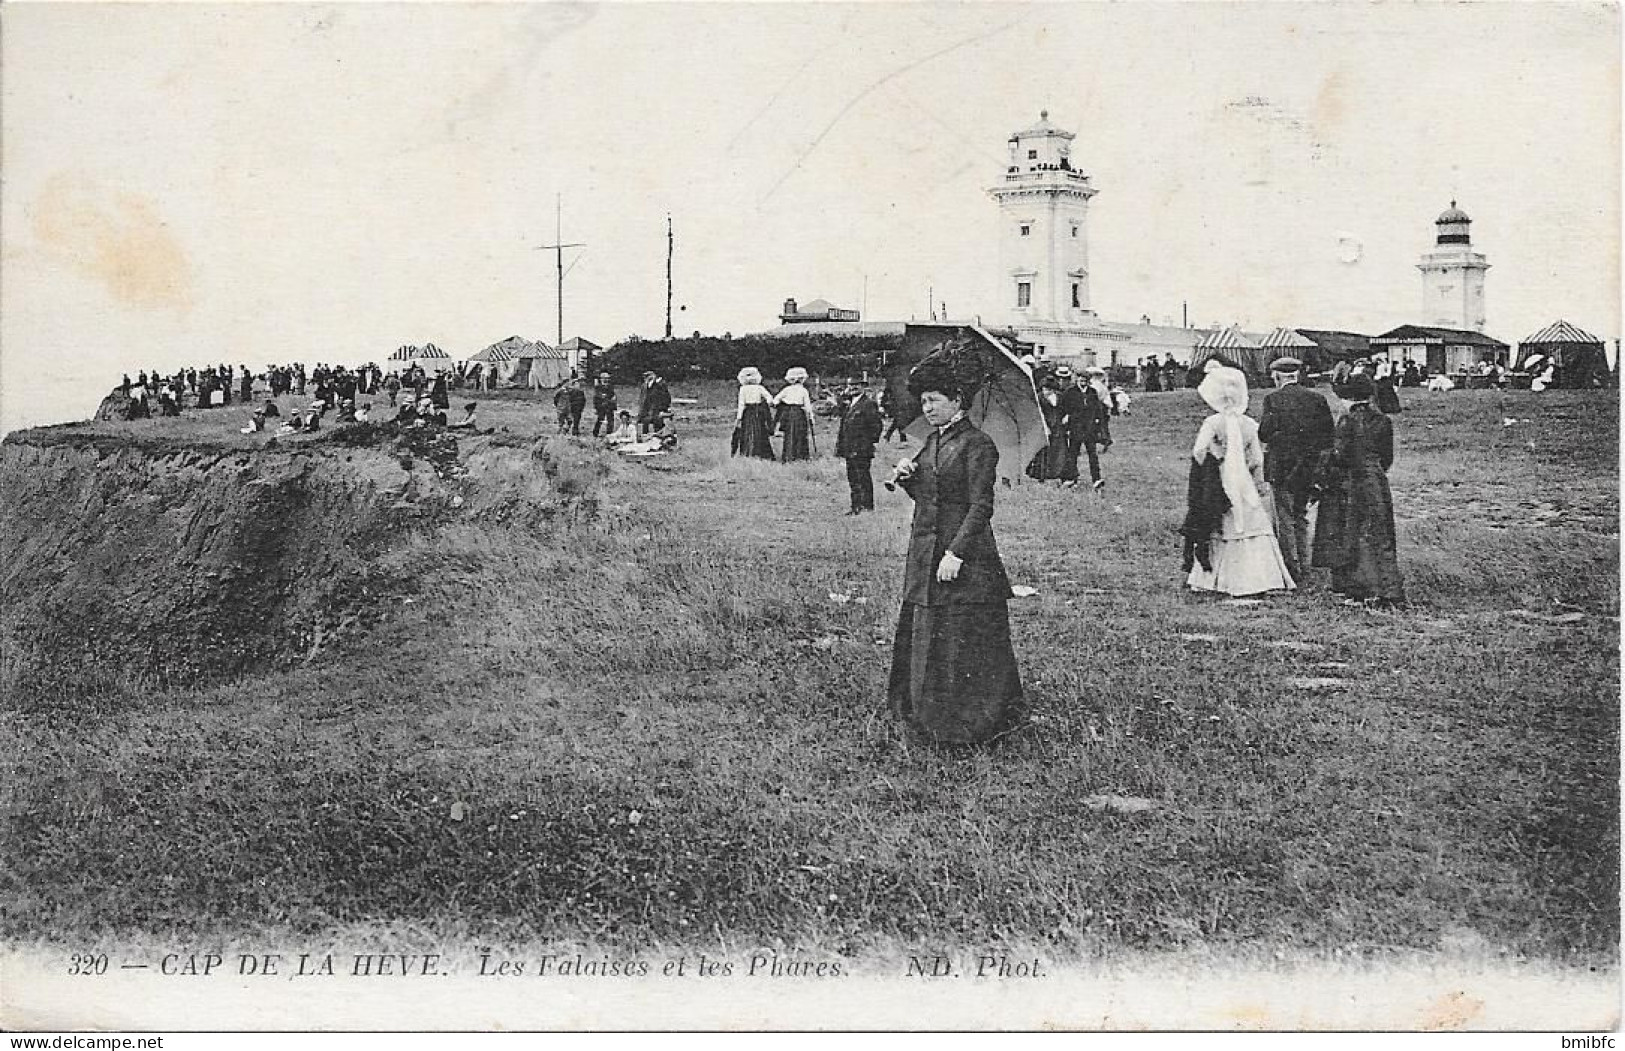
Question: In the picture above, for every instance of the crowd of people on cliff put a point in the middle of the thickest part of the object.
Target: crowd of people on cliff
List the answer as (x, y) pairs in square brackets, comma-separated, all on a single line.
[(1251, 484), (339, 388), (415, 394)]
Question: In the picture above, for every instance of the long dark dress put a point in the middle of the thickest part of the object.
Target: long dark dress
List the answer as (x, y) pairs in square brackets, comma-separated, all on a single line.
[(1050, 461), (1384, 397), (754, 435), (953, 675), (1354, 530), (796, 428)]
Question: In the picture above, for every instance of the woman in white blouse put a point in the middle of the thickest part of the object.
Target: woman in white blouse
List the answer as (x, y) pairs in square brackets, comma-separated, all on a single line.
[(753, 419), (794, 407)]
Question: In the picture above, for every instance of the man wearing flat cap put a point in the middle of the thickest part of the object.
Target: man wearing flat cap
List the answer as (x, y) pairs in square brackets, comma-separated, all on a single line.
[(1295, 428)]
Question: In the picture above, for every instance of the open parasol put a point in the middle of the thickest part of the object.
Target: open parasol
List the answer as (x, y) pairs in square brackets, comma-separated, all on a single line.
[(1005, 406)]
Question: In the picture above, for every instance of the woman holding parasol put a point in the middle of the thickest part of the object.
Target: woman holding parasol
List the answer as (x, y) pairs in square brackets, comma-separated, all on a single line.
[(953, 676)]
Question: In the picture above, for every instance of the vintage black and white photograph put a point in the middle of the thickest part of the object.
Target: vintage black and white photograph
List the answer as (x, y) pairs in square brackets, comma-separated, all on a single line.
[(802, 516)]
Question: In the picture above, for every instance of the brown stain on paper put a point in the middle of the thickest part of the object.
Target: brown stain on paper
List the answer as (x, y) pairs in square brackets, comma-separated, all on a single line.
[(116, 238), (1451, 1011), (1249, 1016), (1331, 104)]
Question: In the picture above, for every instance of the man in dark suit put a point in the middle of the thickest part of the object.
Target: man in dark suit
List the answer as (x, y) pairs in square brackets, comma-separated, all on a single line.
[(855, 443), (1296, 427), (1086, 422), (655, 403), (603, 405)]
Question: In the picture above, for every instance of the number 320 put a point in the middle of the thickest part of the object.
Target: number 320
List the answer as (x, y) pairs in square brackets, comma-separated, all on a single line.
[(88, 963)]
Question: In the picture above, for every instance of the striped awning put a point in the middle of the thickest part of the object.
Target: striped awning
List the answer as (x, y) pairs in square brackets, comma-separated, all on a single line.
[(493, 354), (1561, 332), (1286, 339), (1226, 339), (411, 353), (542, 350)]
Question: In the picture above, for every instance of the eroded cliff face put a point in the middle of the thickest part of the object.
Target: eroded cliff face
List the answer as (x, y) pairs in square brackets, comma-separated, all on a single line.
[(175, 564)]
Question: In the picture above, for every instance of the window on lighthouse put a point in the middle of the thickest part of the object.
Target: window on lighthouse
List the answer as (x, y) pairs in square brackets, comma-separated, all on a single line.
[(1075, 304), (1026, 228), (1024, 293)]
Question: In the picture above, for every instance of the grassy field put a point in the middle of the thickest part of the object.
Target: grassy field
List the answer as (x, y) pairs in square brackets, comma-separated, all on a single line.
[(649, 721)]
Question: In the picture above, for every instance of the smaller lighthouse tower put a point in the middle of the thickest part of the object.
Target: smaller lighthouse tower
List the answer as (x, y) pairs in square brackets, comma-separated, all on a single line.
[(1453, 275)]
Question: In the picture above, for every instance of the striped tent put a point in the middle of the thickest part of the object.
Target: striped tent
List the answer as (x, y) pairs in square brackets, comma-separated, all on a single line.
[(510, 349), (427, 352), (1287, 343), (543, 366), (1230, 344), (1580, 357), (1561, 331), (505, 363)]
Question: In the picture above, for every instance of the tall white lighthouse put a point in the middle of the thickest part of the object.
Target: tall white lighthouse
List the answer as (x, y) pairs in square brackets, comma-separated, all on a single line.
[(1044, 240), (1453, 276)]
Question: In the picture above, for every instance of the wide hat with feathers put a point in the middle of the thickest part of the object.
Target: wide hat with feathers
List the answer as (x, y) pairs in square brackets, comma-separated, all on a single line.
[(956, 367)]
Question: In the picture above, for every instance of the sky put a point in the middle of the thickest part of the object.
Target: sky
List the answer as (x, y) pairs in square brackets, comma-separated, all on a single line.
[(185, 184)]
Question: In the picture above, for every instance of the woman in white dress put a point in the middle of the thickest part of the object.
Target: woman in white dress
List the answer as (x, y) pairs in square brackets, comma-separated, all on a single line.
[(1245, 557)]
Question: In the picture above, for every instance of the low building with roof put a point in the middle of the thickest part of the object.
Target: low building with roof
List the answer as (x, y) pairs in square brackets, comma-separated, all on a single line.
[(819, 310), (578, 349), (1446, 350), (822, 318)]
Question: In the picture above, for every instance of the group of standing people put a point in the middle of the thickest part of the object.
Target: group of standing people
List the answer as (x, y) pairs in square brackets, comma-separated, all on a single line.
[(570, 400), (1385, 377), (1077, 414), (1160, 376), (759, 414), (1236, 545)]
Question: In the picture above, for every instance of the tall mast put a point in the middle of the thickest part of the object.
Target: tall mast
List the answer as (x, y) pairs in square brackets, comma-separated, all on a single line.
[(558, 247), (669, 243)]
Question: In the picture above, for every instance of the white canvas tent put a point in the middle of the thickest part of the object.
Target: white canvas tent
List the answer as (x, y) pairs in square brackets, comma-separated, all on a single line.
[(503, 359), (541, 366)]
